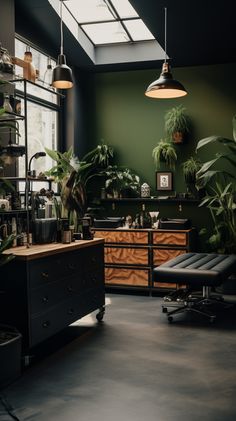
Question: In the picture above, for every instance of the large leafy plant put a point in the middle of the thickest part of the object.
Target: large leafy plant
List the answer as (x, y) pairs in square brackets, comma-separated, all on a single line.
[(121, 181), (73, 175), (4, 245), (218, 176)]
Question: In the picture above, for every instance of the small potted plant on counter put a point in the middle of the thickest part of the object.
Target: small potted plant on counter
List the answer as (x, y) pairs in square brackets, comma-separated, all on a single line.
[(177, 124)]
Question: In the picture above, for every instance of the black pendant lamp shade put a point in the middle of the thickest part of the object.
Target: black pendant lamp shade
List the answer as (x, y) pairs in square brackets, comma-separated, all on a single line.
[(62, 74), (165, 86)]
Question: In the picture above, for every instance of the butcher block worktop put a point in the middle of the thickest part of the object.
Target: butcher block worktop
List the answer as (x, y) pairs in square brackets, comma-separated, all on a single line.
[(40, 250)]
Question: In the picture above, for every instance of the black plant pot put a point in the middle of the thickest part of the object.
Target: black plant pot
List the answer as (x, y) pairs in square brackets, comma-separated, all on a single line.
[(10, 355)]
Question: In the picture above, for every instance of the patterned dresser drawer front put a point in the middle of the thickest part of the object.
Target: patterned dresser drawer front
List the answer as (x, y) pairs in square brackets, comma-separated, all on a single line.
[(128, 237), (174, 238), (127, 255), (163, 255), (126, 276)]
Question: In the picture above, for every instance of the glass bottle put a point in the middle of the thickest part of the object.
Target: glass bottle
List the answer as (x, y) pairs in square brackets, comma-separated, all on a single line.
[(6, 104), (47, 79)]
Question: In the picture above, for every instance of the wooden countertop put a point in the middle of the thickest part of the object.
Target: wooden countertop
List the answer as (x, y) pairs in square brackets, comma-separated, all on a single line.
[(41, 250)]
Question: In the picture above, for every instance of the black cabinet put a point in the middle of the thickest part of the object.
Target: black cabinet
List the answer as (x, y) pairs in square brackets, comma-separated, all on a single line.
[(42, 295)]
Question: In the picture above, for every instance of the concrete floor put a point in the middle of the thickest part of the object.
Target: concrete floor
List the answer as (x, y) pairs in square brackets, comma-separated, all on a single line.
[(134, 366)]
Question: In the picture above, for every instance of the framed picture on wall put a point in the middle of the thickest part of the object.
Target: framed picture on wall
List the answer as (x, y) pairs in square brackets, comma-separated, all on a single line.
[(164, 180)]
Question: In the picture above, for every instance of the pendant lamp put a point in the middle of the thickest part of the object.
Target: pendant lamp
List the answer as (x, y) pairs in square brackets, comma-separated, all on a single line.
[(62, 74), (165, 87)]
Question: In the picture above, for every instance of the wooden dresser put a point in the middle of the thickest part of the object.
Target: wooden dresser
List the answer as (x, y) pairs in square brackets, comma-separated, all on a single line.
[(47, 287), (131, 254)]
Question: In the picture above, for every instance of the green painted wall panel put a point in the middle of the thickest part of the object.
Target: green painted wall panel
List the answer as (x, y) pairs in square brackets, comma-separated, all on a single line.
[(133, 123)]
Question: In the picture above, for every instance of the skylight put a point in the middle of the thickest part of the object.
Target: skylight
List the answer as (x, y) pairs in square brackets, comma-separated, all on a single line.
[(108, 21)]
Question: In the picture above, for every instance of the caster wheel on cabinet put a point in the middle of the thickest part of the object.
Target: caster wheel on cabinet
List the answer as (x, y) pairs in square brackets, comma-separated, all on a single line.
[(100, 315), (164, 309)]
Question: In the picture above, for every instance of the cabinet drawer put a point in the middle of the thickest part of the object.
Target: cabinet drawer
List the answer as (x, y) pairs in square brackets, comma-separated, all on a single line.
[(174, 238), (127, 255), (64, 265), (52, 268), (65, 313), (127, 276), (163, 255), (128, 237), (51, 294)]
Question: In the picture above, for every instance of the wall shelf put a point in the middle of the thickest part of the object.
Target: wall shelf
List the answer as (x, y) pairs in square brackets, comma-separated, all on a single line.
[(150, 200)]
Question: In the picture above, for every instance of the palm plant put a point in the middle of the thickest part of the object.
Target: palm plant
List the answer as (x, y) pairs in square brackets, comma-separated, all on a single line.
[(164, 152), (220, 183)]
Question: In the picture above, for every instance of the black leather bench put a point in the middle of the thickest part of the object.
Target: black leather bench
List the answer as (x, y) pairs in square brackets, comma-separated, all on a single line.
[(197, 271)]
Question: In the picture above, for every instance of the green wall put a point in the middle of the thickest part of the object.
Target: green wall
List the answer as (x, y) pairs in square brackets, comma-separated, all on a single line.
[(133, 123)]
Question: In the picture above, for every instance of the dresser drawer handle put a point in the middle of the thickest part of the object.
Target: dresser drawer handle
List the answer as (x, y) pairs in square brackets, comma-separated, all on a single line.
[(45, 275), (45, 299), (71, 266), (69, 288), (71, 311), (46, 324)]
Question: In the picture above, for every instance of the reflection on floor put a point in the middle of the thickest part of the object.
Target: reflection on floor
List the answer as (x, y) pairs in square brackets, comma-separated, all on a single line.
[(133, 366)]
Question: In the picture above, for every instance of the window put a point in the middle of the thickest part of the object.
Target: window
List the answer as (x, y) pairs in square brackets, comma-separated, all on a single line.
[(42, 114)]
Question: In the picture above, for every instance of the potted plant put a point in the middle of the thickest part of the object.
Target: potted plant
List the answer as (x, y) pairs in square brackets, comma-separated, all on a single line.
[(165, 153), (190, 168), (10, 338), (177, 124), (73, 175), (121, 182), (220, 183)]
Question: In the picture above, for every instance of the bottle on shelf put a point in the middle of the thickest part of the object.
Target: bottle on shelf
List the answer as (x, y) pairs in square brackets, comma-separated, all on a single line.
[(6, 103), (47, 79), (14, 231)]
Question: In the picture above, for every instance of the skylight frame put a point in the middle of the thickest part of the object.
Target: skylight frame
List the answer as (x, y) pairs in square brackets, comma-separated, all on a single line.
[(116, 19)]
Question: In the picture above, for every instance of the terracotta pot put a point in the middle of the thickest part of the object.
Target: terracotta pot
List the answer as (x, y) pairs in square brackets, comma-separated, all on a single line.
[(178, 137)]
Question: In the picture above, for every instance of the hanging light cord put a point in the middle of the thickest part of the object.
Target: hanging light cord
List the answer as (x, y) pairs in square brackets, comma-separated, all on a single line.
[(61, 27), (165, 33)]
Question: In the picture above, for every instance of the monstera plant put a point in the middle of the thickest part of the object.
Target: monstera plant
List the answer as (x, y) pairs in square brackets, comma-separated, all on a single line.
[(218, 177)]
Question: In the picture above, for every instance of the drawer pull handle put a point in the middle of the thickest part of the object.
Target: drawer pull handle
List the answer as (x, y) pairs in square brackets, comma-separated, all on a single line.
[(69, 288), (45, 299), (46, 324), (71, 311), (45, 275), (71, 266)]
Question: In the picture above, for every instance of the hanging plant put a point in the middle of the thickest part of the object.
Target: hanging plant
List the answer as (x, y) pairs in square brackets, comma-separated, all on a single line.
[(177, 124), (164, 152)]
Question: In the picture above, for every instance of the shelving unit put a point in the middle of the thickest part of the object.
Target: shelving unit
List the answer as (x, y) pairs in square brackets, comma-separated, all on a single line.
[(26, 96)]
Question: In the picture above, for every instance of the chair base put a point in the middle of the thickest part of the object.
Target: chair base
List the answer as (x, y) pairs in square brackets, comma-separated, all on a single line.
[(201, 303)]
